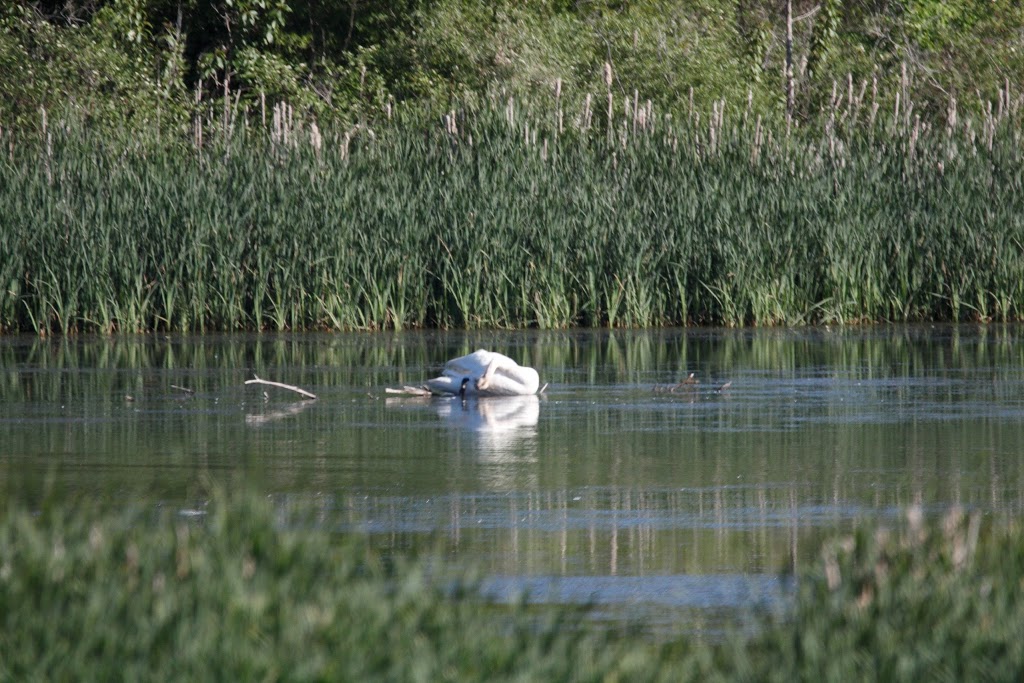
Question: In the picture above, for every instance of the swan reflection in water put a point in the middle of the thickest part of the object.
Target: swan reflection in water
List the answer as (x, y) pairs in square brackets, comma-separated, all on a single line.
[(494, 420), (500, 433), (503, 434)]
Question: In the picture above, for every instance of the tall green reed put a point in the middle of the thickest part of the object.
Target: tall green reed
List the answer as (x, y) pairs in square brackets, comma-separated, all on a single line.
[(501, 215)]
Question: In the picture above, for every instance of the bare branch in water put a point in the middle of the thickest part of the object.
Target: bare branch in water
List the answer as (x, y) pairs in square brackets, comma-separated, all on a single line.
[(301, 392)]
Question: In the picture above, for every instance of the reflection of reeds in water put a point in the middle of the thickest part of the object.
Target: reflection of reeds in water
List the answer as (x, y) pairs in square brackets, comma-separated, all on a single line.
[(636, 530), (607, 530), (563, 358), (78, 386)]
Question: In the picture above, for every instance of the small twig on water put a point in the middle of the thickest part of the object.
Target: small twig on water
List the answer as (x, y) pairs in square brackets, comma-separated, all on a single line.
[(301, 392), (185, 389)]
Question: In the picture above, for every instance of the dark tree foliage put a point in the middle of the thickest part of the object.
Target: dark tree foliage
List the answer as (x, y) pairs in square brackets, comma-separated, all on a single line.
[(122, 61)]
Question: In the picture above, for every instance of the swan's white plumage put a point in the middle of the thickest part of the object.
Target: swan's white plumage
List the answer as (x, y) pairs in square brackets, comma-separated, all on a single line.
[(489, 373)]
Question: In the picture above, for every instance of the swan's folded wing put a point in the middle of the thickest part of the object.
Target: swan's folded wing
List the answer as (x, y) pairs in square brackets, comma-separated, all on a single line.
[(512, 381), (472, 365)]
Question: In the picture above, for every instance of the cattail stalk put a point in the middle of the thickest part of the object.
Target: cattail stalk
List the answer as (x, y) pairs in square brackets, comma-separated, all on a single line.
[(558, 106)]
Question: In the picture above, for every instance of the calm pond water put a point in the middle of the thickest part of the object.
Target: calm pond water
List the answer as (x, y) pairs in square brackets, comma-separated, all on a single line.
[(621, 485)]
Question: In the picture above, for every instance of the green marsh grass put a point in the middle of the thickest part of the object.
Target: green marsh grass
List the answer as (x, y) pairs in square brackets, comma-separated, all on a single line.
[(506, 216), (254, 588), (235, 596)]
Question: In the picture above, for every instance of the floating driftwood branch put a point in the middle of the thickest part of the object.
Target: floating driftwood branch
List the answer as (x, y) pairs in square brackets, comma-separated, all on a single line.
[(185, 389), (297, 390)]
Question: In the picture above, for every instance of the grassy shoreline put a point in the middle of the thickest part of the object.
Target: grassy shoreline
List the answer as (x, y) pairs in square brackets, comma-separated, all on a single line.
[(495, 218), (254, 591)]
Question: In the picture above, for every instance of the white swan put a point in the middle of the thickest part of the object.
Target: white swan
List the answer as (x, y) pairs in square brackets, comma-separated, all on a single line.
[(485, 373)]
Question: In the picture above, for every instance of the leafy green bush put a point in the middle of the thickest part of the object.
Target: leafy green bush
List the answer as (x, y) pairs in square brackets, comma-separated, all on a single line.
[(343, 60)]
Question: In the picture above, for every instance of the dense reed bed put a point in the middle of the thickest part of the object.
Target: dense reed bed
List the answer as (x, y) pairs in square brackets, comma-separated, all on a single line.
[(496, 217), (254, 589)]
